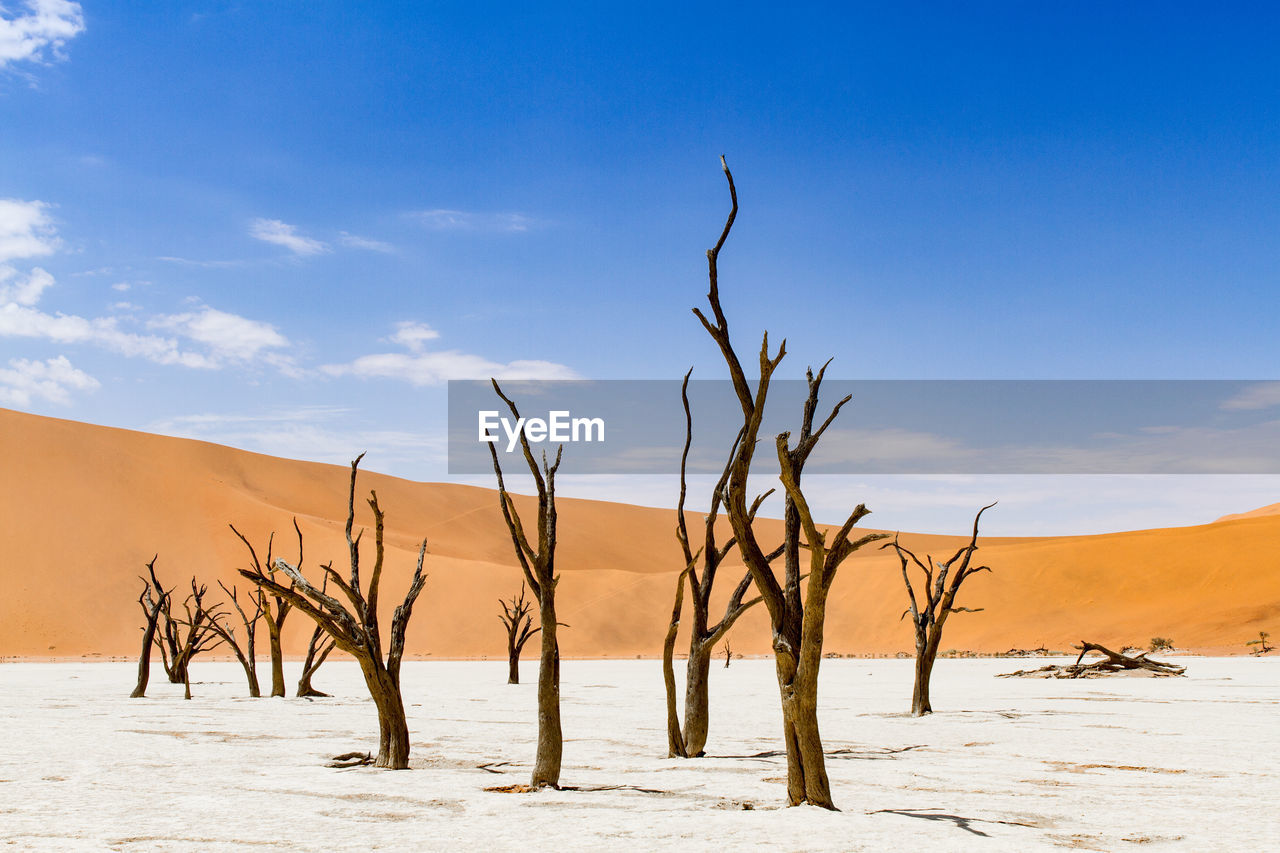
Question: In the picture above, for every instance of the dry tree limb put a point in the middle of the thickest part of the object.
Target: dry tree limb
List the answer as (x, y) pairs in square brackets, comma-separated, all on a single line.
[(1111, 664), (937, 601), (519, 624), (154, 602), (245, 652), (537, 561), (700, 571), (319, 648), (351, 759), (353, 625), (796, 618)]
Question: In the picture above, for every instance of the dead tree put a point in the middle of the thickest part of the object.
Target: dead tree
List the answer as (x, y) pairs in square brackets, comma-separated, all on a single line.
[(703, 634), (355, 628), (1262, 646), (200, 634), (153, 602), (796, 618), (318, 649), (728, 653), (274, 608), (1111, 664), (246, 651), (519, 624), (537, 561), (938, 597), (168, 635)]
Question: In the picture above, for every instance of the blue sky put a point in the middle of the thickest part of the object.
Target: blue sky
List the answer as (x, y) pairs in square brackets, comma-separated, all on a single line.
[(283, 225)]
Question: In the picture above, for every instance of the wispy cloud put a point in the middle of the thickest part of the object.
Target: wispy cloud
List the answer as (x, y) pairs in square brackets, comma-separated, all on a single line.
[(24, 381), (1264, 395), (420, 367), (202, 338), (441, 219), (283, 234), (412, 336), (210, 265), (228, 337), (317, 433), (26, 230), (355, 241), (39, 32)]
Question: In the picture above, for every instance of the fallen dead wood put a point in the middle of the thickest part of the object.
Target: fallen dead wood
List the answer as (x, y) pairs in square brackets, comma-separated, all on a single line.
[(1113, 663), (351, 759)]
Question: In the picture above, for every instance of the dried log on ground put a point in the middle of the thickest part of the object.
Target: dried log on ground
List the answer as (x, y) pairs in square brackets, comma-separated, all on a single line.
[(1111, 664)]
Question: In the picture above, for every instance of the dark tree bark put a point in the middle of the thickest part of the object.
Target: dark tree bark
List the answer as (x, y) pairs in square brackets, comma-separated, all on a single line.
[(274, 609), (538, 565), (167, 636), (245, 652), (928, 616), (201, 634), (318, 649), (152, 602), (354, 626), (703, 635), (519, 624), (728, 653), (796, 619), (1112, 663)]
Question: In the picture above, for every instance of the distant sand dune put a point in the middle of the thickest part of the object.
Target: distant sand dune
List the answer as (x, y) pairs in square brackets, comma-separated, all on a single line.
[(85, 507)]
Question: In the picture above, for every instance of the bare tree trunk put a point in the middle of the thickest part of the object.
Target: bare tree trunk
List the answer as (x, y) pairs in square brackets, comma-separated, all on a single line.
[(926, 653), (144, 658), (937, 601), (806, 766), (354, 626), (513, 664), (697, 699), (317, 651), (277, 656), (546, 766), (675, 737), (393, 726)]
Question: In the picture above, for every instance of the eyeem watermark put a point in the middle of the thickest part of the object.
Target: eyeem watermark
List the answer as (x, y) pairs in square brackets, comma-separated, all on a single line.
[(559, 427), (1003, 426)]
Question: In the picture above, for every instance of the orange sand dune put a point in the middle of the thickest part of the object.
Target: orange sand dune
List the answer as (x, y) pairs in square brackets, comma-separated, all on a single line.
[(85, 507), (1270, 509)]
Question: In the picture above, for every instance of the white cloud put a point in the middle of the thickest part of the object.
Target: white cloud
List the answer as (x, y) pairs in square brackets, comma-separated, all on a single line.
[(201, 338), (419, 367), (435, 368), (1264, 395), (23, 290), (283, 234), (355, 241), (26, 230), (317, 433), (28, 322), (412, 335), (229, 337), (462, 220), (41, 30), (51, 380)]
